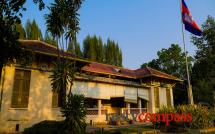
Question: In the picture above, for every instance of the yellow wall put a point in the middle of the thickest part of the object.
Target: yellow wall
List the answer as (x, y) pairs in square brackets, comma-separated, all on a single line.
[(40, 99), (39, 106)]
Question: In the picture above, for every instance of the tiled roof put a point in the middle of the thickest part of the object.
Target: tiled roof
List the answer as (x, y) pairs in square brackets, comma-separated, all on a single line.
[(44, 48), (146, 72), (39, 46), (109, 69), (123, 72)]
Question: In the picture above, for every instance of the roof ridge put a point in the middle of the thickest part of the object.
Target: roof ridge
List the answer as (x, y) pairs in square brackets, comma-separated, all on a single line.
[(161, 72), (148, 68)]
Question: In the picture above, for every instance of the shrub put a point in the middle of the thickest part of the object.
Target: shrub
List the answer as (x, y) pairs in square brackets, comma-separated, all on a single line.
[(74, 110), (202, 117)]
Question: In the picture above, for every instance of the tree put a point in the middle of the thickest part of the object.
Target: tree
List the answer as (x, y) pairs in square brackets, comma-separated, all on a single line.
[(63, 23), (21, 31), (89, 48), (33, 31), (49, 39), (153, 64), (10, 14), (172, 61), (95, 50), (203, 76), (75, 109), (113, 54), (75, 49)]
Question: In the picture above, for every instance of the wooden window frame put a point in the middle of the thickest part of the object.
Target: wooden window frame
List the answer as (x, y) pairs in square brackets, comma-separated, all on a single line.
[(22, 91), (168, 97), (55, 96), (156, 97)]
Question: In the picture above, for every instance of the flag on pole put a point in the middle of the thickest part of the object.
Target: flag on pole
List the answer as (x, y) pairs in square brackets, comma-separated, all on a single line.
[(190, 24)]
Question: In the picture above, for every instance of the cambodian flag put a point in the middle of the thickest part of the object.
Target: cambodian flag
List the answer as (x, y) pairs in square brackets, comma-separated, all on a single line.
[(190, 24)]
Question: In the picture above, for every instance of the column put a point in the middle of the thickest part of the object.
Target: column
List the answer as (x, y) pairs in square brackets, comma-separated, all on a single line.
[(140, 105), (128, 107), (171, 96), (99, 107), (147, 106), (151, 100)]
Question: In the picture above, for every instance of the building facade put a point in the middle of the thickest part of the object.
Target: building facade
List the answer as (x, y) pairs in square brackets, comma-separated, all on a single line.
[(27, 97)]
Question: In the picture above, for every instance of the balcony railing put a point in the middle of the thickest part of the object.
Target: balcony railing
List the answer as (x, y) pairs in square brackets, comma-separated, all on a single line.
[(134, 110), (94, 111)]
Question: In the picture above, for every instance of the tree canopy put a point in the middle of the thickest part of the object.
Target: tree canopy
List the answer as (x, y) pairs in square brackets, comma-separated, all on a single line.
[(95, 50), (171, 61), (75, 48), (33, 31), (49, 39), (203, 76)]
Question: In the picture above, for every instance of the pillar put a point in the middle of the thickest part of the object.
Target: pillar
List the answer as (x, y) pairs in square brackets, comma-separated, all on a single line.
[(140, 105), (128, 107), (171, 96), (151, 100), (99, 107)]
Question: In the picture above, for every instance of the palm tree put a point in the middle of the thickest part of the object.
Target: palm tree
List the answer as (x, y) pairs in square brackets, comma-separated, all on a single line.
[(63, 23)]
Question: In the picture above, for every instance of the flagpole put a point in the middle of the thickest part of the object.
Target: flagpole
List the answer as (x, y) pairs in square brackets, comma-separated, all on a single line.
[(189, 90)]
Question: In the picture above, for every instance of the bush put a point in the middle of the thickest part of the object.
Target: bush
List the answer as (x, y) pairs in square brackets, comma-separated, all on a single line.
[(74, 110), (202, 117)]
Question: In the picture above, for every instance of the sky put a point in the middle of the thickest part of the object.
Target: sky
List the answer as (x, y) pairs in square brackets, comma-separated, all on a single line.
[(141, 27)]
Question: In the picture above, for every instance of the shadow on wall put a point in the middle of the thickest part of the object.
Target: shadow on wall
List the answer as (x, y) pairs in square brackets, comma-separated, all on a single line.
[(39, 105)]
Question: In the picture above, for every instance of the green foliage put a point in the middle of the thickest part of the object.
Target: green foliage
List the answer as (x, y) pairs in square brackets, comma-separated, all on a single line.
[(95, 50), (74, 110), (10, 13), (113, 55), (75, 49), (21, 31), (203, 76), (63, 21), (49, 39), (73, 106), (171, 61), (202, 117), (62, 75), (33, 31)]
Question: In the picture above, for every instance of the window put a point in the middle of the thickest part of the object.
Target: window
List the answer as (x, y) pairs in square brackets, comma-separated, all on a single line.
[(156, 97), (21, 88), (56, 100), (168, 97)]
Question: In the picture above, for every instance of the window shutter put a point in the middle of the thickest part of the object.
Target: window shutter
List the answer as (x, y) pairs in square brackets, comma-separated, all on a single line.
[(16, 89), (156, 97), (25, 89), (54, 99), (21, 88), (168, 97)]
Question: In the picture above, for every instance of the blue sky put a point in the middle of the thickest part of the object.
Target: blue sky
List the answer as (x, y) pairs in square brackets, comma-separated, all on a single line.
[(141, 27)]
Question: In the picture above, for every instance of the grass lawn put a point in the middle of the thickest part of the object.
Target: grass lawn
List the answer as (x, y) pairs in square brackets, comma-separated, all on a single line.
[(129, 130)]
